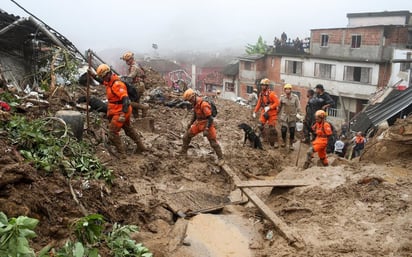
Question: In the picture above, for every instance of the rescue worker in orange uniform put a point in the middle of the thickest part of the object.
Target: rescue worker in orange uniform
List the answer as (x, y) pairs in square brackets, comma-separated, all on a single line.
[(268, 103), (135, 76), (118, 110), (323, 130), (202, 121)]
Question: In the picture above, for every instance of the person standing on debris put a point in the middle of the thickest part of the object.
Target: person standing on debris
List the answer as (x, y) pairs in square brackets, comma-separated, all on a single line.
[(323, 130), (202, 121), (340, 147), (290, 112), (268, 103), (324, 99), (118, 110), (252, 99), (359, 144), (311, 108), (136, 77)]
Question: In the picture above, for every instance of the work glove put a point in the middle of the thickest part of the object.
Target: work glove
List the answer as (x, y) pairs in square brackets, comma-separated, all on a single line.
[(299, 117), (254, 115), (267, 108), (206, 132), (91, 72), (122, 118)]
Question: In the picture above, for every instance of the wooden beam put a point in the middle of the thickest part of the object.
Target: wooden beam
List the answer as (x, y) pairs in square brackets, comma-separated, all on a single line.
[(272, 183), (284, 230)]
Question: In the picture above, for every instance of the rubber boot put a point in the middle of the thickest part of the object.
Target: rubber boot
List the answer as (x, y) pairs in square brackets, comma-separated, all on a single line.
[(117, 142), (273, 137), (187, 137), (325, 162), (218, 150), (291, 138), (283, 130), (308, 161), (131, 132)]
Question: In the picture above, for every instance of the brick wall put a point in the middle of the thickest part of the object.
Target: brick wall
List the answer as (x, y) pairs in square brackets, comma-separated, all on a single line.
[(273, 73), (396, 35), (335, 35), (384, 74), (370, 35)]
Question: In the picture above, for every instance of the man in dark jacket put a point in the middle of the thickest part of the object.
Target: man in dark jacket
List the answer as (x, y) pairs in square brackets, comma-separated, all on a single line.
[(324, 99)]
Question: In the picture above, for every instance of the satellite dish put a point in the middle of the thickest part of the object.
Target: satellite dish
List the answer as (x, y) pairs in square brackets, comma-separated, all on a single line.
[(154, 46)]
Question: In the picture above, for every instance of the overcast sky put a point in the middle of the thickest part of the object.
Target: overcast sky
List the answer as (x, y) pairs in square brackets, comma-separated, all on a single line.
[(191, 24)]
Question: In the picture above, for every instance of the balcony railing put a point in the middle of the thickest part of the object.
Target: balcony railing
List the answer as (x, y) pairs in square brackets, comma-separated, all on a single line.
[(337, 113)]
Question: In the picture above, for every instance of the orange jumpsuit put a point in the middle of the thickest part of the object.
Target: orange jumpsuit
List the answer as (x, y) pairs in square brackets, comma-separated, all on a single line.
[(322, 130), (115, 91), (202, 111), (268, 98)]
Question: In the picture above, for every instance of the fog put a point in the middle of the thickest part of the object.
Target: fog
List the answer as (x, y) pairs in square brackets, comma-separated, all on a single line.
[(190, 25)]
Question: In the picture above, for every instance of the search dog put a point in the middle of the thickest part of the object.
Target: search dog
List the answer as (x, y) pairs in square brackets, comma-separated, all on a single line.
[(251, 136)]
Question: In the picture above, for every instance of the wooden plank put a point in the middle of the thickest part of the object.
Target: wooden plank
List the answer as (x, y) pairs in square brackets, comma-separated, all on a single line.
[(272, 183), (284, 230)]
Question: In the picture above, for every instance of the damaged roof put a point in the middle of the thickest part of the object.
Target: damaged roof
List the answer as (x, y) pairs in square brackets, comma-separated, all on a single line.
[(231, 69), (397, 103), (161, 65), (16, 31)]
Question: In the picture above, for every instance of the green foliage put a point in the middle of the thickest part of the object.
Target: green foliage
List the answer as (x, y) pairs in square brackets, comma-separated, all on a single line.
[(14, 235), (75, 249), (10, 99), (119, 241), (259, 48), (88, 230), (89, 233), (65, 67), (40, 142)]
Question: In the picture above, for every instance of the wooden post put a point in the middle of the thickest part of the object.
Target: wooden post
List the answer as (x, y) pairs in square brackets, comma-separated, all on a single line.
[(286, 232), (89, 62)]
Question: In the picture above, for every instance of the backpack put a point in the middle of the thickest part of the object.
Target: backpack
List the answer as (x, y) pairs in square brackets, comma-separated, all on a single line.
[(212, 106), (131, 90)]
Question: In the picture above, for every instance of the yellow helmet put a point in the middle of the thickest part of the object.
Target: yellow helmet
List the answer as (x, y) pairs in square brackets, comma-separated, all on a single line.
[(188, 94), (287, 86), (320, 113), (127, 56), (102, 70), (265, 81)]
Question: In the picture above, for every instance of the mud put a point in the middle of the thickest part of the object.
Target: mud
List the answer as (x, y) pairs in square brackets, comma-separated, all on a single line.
[(335, 215)]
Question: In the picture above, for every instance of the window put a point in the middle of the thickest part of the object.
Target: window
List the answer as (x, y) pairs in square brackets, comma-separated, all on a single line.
[(325, 71), (294, 67), (229, 87), (356, 41), (406, 65), (359, 74), (249, 89), (324, 40), (248, 66)]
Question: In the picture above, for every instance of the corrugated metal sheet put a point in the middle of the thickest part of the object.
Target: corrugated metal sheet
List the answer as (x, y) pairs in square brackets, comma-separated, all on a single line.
[(393, 104)]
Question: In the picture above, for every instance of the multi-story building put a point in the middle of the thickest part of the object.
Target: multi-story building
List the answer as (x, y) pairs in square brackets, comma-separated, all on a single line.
[(353, 62)]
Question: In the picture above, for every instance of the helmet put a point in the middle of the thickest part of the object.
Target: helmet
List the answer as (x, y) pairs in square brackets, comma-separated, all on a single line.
[(127, 56), (287, 86), (255, 90), (265, 81), (218, 91), (188, 94), (320, 113), (102, 70)]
